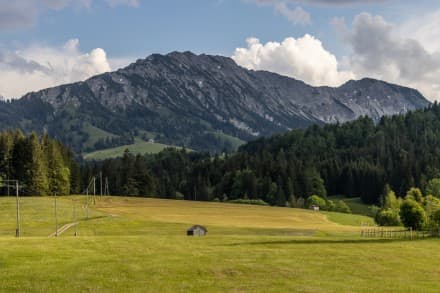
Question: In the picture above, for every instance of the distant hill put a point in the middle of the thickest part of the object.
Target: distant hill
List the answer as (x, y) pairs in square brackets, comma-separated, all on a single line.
[(201, 102)]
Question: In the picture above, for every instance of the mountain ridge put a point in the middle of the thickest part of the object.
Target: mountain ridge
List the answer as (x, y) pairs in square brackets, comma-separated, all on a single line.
[(186, 99)]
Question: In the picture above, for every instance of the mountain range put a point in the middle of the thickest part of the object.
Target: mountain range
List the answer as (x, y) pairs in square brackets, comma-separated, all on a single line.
[(202, 102)]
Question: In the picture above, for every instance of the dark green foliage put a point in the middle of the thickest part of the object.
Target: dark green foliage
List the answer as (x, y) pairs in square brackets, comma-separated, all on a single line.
[(315, 200), (258, 202), (412, 214), (433, 187), (415, 194), (356, 159), (388, 217), (435, 219), (341, 207), (41, 165)]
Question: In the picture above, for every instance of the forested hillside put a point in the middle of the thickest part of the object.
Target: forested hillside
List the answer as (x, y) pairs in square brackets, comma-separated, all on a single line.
[(354, 159), (42, 165)]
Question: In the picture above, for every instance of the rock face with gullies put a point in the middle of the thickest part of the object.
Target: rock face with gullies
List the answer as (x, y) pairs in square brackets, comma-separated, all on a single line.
[(199, 101)]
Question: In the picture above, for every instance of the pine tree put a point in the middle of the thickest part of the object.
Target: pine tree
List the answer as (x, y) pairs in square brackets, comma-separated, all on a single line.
[(58, 172), (36, 180)]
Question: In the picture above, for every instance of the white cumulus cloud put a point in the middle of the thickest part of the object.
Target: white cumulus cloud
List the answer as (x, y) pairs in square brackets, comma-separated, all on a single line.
[(408, 54), (302, 58), (38, 66), (381, 51)]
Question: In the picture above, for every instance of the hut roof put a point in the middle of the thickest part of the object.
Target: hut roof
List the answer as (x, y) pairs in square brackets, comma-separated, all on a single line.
[(198, 227)]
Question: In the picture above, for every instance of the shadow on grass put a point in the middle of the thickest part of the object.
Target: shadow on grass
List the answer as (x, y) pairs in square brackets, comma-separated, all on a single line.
[(325, 241)]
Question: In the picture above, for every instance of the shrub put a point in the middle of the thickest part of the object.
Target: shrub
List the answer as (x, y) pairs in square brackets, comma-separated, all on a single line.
[(342, 207), (435, 219), (391, 201), (431, 204), (433, 187), (317, 201), (373, 210), (388, 217), (330, 205), (412, 214), (415, 194), (258, 202)]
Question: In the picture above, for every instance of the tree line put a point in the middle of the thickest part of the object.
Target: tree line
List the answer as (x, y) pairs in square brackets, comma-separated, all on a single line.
[(356, 159), (42, 166)]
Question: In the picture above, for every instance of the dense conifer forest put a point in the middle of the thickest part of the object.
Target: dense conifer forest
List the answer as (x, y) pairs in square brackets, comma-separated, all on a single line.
[(41, 165), (356, 159)]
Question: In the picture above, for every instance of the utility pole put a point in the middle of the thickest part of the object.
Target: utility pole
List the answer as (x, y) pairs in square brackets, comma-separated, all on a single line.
[(100, 181), (87, 203), (94, 190), (17, 231), (9, 166), (74, 218), (56, 216), (107, 191)]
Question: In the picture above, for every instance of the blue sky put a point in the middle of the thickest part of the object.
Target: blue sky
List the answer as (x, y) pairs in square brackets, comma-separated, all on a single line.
[(48, 42), (208, 26)]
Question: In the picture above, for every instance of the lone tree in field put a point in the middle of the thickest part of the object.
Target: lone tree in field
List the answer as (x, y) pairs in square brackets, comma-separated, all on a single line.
[(412, 214)]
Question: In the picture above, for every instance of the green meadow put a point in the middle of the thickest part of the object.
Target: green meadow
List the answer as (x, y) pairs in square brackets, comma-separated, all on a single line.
[(140, 245), (139, 147)]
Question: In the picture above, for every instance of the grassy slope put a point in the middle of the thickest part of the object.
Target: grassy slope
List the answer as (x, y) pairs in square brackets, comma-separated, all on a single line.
[(139, 147), (235, 141), (95, 134), (355, 204), (140, 246)]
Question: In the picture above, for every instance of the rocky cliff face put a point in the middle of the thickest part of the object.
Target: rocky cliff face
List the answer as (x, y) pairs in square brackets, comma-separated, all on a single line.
[(200, 101)]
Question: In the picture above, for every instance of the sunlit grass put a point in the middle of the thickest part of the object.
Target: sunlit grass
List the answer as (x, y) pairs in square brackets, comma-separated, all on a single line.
[(139, 245)]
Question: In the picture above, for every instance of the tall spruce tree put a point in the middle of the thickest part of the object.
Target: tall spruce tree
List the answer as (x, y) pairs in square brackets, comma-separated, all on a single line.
[(36, 180)]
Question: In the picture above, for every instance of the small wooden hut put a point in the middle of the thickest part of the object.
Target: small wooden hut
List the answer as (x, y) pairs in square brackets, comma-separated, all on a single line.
[(197, 230)]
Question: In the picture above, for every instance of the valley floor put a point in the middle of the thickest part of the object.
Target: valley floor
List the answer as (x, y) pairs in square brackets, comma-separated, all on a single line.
[(139, 245)]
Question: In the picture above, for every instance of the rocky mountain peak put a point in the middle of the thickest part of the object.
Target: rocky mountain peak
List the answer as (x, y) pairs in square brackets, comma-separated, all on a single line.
[(202, 101)]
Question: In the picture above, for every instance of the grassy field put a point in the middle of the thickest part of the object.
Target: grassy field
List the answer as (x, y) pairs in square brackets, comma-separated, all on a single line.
[(139, 245), (139, 147)]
